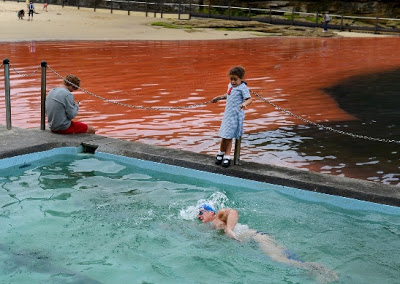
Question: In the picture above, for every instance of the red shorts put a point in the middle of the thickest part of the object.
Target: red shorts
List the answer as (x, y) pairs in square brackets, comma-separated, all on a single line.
[(74, 128)]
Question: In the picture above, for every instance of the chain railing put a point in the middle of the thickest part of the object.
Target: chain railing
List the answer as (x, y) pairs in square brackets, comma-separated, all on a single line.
[(307, 121), (24, 75), (132, 106), (44, 66)]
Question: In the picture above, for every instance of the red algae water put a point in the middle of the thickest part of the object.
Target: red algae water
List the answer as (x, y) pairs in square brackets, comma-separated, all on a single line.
[(293, 73)]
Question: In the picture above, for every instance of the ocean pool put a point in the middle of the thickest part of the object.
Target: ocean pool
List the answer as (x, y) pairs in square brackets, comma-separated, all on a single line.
[(70, 217)]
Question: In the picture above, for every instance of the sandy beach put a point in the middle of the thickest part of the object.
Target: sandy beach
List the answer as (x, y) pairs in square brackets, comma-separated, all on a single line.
[(71, 23)]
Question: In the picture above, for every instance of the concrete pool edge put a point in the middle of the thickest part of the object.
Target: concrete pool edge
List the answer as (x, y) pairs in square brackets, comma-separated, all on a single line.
[(23, 141)]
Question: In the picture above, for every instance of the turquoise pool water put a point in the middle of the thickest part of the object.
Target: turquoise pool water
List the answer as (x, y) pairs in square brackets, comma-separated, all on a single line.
[(68, 217)]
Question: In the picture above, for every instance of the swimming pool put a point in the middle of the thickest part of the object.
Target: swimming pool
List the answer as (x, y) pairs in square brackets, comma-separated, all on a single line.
[(69, 217)]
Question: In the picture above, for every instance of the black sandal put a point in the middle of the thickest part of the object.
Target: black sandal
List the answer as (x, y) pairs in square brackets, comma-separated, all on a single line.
[(218, 159), (226, 163)]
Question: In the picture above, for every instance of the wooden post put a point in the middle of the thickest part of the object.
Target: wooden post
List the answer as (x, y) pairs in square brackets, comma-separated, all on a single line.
[(229, 12), (190, 9), (236, 155), (209, 9), (292, 16), (316, 20), (341, 24), (376, 25), (270, 15)]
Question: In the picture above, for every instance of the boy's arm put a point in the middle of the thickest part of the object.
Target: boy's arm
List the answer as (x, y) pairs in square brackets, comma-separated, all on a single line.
[(71, 108)]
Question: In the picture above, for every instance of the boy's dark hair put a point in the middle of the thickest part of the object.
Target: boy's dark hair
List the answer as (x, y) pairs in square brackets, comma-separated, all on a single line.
[(72, 80), (238, 71)]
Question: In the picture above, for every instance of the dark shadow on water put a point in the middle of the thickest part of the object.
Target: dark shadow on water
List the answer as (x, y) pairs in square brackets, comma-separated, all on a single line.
[(371, 97), (375, 100)]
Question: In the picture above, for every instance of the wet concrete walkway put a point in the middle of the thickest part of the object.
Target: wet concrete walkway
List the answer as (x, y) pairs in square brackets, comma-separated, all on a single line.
[(19, 141)]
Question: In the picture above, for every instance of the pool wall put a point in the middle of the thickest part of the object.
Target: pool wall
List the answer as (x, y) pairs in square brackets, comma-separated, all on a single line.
[(23, 141)]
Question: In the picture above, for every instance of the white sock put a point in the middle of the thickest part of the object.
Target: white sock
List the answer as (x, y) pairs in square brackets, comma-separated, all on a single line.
[(227, 157), (221, 153)]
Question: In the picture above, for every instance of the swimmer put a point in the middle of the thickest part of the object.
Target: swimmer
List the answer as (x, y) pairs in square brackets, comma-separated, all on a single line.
[(227, 219)]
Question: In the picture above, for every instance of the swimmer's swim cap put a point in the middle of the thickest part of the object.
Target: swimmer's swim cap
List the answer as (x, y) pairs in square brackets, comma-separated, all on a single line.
[(207, 207)]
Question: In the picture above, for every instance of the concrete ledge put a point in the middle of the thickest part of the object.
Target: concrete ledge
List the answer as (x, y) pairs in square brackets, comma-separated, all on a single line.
[(22, 141)]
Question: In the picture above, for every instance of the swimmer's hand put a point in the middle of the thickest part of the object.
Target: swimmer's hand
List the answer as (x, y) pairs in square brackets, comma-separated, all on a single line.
[(216, 99), (232, 235)]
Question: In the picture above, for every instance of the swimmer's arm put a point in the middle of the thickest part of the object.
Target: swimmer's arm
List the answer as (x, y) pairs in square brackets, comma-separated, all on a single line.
[(231, 221)]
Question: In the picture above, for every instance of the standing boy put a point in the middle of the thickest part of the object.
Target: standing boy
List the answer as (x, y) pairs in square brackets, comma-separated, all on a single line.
[(325, 21), (31, 10)]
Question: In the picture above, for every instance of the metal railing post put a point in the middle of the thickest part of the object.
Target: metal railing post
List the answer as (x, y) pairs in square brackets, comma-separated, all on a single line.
[(179, 10), (147, 7), (209, 9), (111, 7), (43, 64), (162, 9), (129, 7), (78, 5), (316, 20), (236, 155), (229, 12), (155, 9), (6, 64), (94, 5), (249, 14), (376, 25)]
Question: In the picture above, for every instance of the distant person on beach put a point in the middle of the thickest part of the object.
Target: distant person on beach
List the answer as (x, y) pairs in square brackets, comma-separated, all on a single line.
[(61, 108), (31, 10), (237, 99), (45, 6), (65, 2), (226, 219), (325, 21), (21, 14)]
